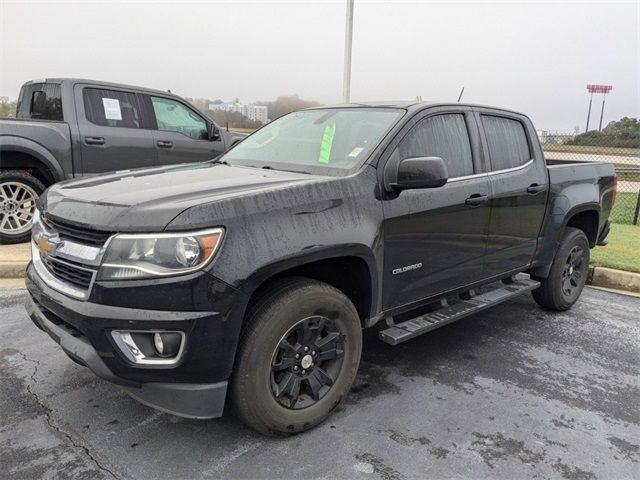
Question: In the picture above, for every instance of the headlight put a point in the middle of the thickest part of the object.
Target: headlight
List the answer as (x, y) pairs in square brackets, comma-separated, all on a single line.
[(35, 220), (156, 255)]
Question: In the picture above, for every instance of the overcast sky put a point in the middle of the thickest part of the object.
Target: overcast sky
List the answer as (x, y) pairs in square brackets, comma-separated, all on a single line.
[(536, 57)]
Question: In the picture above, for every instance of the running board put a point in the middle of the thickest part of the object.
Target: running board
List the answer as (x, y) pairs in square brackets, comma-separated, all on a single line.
[(443, 316)]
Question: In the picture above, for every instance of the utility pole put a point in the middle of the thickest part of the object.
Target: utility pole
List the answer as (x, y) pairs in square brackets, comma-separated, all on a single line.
[(348, 39)]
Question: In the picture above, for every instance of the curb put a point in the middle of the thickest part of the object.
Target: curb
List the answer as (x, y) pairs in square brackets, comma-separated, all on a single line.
[(614, 279), (13, 269)]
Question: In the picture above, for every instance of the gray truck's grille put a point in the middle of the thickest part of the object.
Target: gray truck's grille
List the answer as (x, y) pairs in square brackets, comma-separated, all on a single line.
[(69, 272), (79, 234)]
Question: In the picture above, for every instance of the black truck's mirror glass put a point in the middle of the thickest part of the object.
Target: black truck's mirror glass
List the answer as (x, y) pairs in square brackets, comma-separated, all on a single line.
[(420, 172)]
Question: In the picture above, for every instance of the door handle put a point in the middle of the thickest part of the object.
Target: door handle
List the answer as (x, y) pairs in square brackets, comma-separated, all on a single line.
[(535, 188), (476, 199), (94, 140), (164, 143)]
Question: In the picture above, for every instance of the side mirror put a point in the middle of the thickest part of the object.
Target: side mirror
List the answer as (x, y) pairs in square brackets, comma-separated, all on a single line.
[(213, 132), (420, 172)]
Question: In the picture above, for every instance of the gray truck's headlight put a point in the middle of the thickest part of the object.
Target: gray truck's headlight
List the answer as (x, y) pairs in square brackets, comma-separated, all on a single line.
[(134, 256)]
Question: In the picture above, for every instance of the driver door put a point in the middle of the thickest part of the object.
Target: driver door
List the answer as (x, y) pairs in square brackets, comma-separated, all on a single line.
[(181, 134), (435, 238)]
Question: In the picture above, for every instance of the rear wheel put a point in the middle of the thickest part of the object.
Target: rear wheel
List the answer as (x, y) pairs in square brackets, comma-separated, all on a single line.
[(18, 194), (568, 274), (298, 356)]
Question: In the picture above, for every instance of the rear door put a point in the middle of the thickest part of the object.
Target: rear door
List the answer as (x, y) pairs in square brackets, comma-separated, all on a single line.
[(113, 133), (519, 190), (181, 134), (435, 238)]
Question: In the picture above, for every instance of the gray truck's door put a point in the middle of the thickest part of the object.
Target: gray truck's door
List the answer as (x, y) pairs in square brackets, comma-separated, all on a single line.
[(113, 133), (519, 189), (182, 134)]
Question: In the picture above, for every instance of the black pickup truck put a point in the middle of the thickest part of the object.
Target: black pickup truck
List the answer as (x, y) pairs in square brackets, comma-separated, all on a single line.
[(66, 128), (252, 276)]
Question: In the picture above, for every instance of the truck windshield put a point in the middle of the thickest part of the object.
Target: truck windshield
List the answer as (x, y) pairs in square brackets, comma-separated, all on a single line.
[(40, 101), (324, 141)]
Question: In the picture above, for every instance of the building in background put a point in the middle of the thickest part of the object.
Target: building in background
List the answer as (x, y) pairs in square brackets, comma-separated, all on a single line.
[(254, 112), (258, 113)]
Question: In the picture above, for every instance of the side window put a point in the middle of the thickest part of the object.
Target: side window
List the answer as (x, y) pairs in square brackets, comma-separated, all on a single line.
[(443, 136), (173, 116), (40, 101), (112, 108), (507, 142)]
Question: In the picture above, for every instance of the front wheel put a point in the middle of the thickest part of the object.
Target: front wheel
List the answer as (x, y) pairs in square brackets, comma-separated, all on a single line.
[(298, 356), (568, 274), (18, 194)]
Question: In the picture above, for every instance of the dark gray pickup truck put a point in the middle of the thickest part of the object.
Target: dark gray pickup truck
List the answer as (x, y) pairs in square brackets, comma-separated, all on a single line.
[(67, 128), (251, 276)]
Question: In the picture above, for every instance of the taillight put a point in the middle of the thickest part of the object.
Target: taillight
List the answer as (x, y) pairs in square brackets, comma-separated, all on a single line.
[(615, 190)]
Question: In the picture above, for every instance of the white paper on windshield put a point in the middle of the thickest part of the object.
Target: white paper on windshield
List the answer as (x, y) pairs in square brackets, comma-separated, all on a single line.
[(112, 109), (356, 151)]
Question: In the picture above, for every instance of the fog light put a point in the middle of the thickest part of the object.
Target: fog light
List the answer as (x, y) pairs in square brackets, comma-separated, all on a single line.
[(157, 342), (149, 347), (167, 344)]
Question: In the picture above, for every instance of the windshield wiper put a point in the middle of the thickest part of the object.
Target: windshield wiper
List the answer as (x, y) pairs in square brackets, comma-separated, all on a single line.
[(269, 167), (218, 161)]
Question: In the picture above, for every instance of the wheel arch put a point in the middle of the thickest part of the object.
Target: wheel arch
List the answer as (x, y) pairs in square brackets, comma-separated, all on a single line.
[(23, 154), (351, 270), (587, 219)]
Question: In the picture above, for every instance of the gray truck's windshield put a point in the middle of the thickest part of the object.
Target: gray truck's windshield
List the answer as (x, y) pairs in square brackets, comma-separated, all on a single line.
[(328, 141)]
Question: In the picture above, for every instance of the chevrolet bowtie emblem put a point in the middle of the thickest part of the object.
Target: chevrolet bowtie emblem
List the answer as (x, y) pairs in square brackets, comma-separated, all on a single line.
[(47, 244)]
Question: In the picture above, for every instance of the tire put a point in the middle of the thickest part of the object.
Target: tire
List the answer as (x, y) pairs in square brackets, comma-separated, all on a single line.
[(568, 274), (263, 386), (18, 194)]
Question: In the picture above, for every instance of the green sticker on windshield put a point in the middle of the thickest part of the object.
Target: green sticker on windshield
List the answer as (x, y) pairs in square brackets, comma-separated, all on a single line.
[(327, 141)]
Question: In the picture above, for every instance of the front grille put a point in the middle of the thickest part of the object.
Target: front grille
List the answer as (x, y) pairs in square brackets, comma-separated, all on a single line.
[(68, 272), (73, 232)]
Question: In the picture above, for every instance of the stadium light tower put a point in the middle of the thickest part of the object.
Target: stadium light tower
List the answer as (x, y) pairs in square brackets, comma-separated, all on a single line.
[(604, 89), (348, 39)]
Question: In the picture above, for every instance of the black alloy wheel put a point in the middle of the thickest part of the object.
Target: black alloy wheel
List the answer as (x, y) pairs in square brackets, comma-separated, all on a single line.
[(573, 271), (306, 362)]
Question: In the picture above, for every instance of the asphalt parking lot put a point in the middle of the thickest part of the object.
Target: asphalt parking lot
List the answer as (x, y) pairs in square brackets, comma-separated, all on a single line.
[(513, 392)]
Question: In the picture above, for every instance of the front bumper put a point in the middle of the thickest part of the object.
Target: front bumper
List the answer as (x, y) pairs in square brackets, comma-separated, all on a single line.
[(194, 387)]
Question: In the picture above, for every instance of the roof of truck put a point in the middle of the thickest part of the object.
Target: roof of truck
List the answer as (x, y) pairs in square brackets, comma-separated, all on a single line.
[(96, 82), (412, 105)]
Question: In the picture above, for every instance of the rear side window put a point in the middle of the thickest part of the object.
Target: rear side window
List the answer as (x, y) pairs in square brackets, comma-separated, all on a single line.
[(40, 101), (443, 136), (507, 142), (112, 108)]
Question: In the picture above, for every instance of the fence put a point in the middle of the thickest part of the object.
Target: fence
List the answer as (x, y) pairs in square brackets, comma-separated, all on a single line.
[(604, 148)]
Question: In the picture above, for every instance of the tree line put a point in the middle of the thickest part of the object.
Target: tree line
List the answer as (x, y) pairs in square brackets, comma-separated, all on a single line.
[(624, 133)]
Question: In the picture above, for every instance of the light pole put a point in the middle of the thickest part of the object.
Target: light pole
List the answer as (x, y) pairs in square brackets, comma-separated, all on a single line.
[(348, 39), (604, 89), (589, 112)]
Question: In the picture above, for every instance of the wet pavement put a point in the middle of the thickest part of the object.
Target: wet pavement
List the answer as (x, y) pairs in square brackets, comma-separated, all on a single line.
[(512, 392)]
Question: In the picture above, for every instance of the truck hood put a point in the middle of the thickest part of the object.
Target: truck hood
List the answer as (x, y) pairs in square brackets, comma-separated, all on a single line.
[(148, 199)]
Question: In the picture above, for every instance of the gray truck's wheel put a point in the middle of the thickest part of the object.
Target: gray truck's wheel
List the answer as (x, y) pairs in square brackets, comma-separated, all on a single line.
[(18, 194), (568, 275), (298, 356)]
